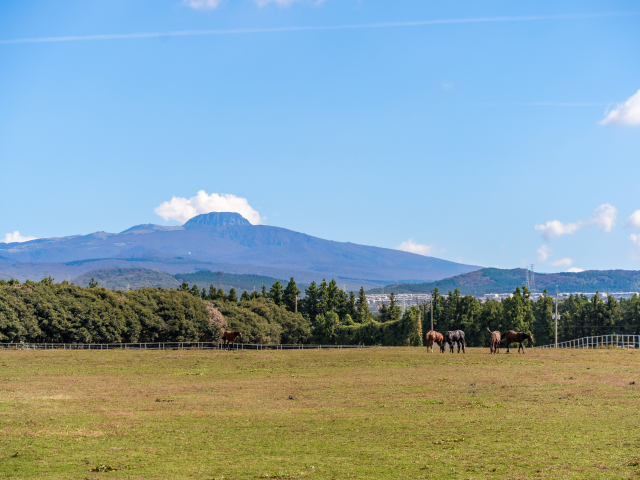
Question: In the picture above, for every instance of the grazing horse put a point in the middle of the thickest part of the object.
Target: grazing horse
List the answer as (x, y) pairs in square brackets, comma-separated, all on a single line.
[(517, 337), (494, 343), (435, 337), (456, 336), (229, 338)]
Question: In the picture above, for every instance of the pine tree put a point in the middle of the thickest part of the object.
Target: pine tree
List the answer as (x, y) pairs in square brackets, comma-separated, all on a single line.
[(291, 292), (195, 291), (221, 295), (184, 287), (245, 297), (362, 307), (309, 304), (275, 294), (93, 283), (254, 295), (395, 312), (264, 293), (213, 294), (351, 306), (232, 297), (203, 294)]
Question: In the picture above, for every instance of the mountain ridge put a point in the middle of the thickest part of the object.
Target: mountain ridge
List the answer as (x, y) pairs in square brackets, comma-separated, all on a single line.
[(225, 238), (496, 280)]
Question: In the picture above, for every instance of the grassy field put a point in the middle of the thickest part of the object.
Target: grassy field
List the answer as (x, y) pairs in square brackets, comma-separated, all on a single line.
[(384, 413)]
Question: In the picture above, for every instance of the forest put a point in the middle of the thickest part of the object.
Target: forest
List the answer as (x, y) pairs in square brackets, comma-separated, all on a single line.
[(46, 311)]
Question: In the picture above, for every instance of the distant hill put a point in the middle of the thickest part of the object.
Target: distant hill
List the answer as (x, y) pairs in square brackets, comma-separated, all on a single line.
[(227, 242), (204, 278), (496, 280), (127, 278), (131, 278)]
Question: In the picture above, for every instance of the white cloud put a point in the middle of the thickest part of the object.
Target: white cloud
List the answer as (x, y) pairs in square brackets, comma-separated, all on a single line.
[(634, 220), (627, 113), (575, 270), (182, 209), (563, 263), (544, 253), (635, 240), (412, 247), (202, 4), (16, 237), (604, 217), (555, 228)]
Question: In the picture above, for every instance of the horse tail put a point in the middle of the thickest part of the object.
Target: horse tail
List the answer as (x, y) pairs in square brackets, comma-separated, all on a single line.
[(489, 330)]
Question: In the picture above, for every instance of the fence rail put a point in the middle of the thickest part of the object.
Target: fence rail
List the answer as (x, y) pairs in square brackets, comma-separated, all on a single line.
[(600, 341), (169, 346)]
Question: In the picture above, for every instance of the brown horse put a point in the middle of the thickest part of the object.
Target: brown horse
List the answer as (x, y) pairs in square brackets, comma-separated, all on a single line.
[(435, 337), (517, 337), (229, 338), (494, 343)]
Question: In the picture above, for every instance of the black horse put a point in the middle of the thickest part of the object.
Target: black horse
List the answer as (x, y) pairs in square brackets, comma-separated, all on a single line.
[(457, 336)]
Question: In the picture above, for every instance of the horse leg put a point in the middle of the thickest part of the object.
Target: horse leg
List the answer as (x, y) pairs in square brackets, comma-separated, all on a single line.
[(507, 347), (464, 344), (522, 347)]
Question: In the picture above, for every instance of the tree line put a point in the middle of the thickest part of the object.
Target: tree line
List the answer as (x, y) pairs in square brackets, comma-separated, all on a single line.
[(46, 311)]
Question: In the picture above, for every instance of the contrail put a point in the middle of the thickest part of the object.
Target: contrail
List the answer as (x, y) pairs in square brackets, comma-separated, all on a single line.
[(238, 31)]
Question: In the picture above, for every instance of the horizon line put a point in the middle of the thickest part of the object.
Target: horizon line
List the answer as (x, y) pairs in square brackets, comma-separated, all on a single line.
[(237, 31)]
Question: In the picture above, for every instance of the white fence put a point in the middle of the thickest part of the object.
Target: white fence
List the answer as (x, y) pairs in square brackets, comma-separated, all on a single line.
[(168, 346), (600, 341)]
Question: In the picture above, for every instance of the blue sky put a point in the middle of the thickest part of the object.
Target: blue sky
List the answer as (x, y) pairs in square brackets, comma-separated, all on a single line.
[(499, 139)]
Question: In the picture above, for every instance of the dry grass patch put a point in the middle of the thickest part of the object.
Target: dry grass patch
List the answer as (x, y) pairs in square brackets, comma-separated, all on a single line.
[(372, 413)]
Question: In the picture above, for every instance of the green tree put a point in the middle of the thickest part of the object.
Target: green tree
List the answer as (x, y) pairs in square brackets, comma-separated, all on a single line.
[(93, 283), (275, 294), (232, 297), (245, 297), (544, 326), (363, 314), (213, 294), (326, 328), (290, 295), (310, 307)]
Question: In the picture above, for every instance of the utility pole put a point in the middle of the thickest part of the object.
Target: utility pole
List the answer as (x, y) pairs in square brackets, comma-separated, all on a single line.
[(556, 316)]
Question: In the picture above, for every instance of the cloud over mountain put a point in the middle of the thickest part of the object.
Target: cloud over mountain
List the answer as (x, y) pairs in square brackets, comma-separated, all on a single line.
[(16, 237), (413, 247), (182, 209)]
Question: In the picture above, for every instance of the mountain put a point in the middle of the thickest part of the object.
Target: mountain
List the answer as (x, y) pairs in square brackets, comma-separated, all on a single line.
[(222, 242), (496, 280)]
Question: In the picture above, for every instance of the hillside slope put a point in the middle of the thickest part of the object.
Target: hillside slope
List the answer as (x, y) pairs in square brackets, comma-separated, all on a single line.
[(211, 240), (496, 280)]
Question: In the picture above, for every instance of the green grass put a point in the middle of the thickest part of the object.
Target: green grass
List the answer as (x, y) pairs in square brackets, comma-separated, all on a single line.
[(384, 413)]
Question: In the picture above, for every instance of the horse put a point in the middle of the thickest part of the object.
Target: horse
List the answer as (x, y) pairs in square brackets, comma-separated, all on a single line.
[(494, 343), (517, 337), (229, 338), (456, 336), (435, 337)]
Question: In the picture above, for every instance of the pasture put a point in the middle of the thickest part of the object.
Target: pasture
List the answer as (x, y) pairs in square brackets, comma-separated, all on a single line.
[(382, 413)]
